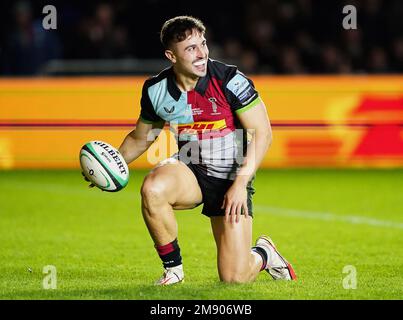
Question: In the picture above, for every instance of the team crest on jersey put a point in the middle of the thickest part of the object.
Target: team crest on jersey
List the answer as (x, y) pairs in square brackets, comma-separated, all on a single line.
[(169, 110), (214, 106)]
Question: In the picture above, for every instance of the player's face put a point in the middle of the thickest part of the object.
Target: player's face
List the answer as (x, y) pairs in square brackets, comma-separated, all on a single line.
[(190, 55)]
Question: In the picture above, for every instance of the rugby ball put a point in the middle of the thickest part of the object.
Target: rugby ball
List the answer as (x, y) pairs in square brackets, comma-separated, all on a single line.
[(104, 166)]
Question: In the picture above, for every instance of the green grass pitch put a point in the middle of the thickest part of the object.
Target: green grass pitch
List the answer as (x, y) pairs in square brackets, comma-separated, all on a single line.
[(321, 221)]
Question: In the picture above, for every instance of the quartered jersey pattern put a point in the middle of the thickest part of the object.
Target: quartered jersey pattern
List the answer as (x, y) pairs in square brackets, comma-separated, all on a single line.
[(204, 119)]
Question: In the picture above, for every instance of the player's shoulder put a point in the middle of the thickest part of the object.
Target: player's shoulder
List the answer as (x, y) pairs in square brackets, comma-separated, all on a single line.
[(237, 86), (152, 80), (221, 70)]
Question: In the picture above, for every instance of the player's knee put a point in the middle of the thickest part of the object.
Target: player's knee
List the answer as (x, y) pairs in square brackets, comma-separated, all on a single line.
[(153, 191), (234, 276)]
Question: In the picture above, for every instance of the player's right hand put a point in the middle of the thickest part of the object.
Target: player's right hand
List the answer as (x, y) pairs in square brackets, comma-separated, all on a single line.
[(235, 202), (88, 180)]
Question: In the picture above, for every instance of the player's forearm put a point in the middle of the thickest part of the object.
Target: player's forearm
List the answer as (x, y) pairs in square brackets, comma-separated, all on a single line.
[(257, 148), (133, 147)]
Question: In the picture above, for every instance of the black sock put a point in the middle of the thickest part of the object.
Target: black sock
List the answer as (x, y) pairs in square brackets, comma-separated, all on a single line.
[(263, 254), (170, 254)]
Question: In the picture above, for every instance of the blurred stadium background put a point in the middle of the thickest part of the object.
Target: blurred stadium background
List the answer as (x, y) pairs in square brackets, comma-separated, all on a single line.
[(334, 96), (261, 36)]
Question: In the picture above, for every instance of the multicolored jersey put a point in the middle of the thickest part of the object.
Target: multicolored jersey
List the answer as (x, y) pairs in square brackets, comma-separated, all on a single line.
[(204, 119)]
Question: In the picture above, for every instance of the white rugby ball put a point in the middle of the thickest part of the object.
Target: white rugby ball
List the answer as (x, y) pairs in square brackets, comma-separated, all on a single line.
[(104, 166)]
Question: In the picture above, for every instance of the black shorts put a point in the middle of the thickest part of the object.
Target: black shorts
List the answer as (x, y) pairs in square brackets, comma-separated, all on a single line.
[(213, 190)]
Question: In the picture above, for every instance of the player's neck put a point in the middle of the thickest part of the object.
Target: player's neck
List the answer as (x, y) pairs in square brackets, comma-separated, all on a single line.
[(185, 83)]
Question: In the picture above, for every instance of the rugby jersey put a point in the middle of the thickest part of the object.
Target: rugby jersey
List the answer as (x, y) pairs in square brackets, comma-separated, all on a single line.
[(204, 119)]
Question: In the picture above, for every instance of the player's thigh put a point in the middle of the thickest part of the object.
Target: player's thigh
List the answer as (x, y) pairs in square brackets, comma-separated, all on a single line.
[(174, 181), (233, 241)]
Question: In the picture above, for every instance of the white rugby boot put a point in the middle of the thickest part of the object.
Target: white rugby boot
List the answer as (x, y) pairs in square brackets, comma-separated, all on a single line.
[(276, 266), (171, 276)]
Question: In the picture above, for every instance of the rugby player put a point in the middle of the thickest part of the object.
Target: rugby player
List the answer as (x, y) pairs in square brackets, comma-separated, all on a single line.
[(206, 102)]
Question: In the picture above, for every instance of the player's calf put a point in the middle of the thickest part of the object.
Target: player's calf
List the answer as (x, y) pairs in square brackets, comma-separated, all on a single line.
[(243, 269)]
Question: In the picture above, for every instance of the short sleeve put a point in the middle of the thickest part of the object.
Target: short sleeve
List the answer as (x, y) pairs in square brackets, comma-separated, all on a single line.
[(240, 92), (147, 113)]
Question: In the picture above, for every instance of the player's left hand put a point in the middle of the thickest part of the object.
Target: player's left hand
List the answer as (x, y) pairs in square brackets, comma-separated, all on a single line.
[(235, 200)]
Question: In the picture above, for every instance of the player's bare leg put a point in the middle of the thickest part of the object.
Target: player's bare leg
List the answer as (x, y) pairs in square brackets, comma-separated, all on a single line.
[(167, 187), (235, 260)]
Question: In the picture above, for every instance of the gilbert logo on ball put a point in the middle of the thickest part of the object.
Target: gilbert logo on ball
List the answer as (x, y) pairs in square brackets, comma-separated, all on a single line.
[(104, 166)]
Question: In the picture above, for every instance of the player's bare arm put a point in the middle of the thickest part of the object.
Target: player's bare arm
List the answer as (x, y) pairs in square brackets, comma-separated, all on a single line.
[(257, 123), (139, 140)]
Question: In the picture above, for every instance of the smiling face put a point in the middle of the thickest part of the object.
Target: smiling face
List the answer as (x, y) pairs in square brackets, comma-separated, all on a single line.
[(189, 57)]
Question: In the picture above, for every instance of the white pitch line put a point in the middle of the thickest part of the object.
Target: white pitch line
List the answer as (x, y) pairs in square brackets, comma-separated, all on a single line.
[(326, 216)]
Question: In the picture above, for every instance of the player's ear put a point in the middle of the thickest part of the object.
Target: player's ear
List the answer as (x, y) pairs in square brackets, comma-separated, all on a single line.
[(170, 55)]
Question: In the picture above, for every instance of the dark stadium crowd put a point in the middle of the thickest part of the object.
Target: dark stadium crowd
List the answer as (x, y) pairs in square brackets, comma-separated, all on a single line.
[(260, 36)]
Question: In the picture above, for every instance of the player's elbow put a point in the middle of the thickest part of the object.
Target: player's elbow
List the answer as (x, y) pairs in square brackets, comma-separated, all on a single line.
[(267, 136)]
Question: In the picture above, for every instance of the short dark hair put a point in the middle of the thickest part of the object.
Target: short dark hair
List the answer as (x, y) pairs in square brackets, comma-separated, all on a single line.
[(176, 29)]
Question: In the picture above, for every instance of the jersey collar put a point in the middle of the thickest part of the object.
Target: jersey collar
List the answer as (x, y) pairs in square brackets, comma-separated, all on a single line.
[(172, 87), (201, 85)]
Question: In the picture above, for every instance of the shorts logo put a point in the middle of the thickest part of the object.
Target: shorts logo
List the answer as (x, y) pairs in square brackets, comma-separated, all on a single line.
[(169, 110), (201, 127)]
